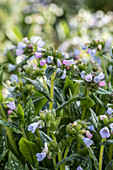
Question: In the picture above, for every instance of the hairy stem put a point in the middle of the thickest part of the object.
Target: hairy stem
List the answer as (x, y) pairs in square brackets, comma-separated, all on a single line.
[(101, 154)]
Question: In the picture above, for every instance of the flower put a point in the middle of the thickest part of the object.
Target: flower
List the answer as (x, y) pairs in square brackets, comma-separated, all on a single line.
[(21, 45), (79, 168), (9, 112), (40, 156), (49, 59), (102, 83), (111, 126), (58, 63), (87, 141), (88, 77), (91, 128), (83, 74), (33, 126), (88, 134), (72, 61), (104, 132), (110, 110), (25, 39), (19, 51), (11, 105), (84, 47), (14, 77), (92, 52), (101, 76), (76, 52), (11, 67), (64, 75), (96, 79), (102, 117), (65, 62), (43, 62), (38, 55)]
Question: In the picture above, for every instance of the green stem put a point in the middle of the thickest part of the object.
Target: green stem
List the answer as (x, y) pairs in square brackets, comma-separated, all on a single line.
[(52, 89), (60, 158), (9, 132), (101, 154), (110, 150), (54, 162), (83, 113), (77, 88), (66, 152), (104, 68), (23, 132)]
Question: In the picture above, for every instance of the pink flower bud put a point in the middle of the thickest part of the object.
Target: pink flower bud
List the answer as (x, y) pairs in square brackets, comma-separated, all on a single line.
[(9, 112), (89, 135), (43, 62), (102, 83), (66, 62)]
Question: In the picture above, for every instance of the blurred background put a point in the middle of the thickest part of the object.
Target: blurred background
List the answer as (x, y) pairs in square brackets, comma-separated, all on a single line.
[(62, 22)]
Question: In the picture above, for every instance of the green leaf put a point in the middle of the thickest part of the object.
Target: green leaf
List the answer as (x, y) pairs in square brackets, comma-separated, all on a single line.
[(92, 155), (65, 104), (94, 118), (1, 77), (109, 166), (99, 101), (79, 81), (107, 142), (14, 163), (18, 33), (10, 125), (102, 91), (49, 71), (29, 150), (40, 88), (44, 137), (89, 69), (29, 111), (1, 97), (110, 61), (10, 57), (87, 102), (68, 85), (70, 159), (39, 103), (3, 154), (20, 113)]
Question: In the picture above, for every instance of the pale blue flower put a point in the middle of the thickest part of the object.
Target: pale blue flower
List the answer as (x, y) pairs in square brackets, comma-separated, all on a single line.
[(96, 79), (110, 110), (83, 74), (92, 52), (49, 59), (11, 67), (104, 132), (38, 55), (40, 156), (76, 52), (71, 61), (58, 63), (87, 141), (19, 52), (64, 75), (91, 128), (111, 126), (21, 45), (33, 126), (84, 47), (14, 77), (101, 76), (11, 105), (88, 77), (79, 168)]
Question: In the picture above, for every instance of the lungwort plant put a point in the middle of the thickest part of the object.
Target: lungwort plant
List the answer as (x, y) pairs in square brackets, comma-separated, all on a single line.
[(58, 111)]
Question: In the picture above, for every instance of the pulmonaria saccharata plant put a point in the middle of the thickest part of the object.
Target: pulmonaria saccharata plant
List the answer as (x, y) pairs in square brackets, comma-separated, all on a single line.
[(57, 107)]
